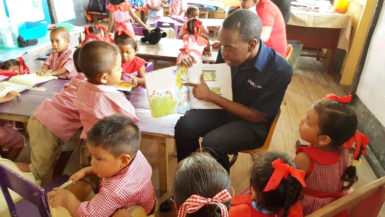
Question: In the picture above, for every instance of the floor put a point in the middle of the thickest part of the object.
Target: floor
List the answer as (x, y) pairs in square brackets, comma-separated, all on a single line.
[(310, 82)]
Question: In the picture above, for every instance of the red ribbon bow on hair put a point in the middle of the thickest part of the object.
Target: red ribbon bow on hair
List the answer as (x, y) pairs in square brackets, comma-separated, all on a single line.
[(361, 142), (196, 202), (282, 170), (344, 99)]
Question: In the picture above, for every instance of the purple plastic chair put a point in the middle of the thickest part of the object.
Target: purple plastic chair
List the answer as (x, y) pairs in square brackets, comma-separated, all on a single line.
[(161, 24), (149, 67), (27, 189), (138, 30)]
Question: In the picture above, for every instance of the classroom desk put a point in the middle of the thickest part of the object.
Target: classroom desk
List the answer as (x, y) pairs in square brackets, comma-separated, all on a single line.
[(320, 30), (167, 50), (159, 129)]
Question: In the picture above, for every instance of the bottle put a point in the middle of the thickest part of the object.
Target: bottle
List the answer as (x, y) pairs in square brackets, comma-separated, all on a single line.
[(8, 34), (341, 6)]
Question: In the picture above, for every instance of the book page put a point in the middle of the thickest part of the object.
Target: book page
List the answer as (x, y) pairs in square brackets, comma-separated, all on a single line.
[(217, 78), (6, 87), (164, 96), (31, 79)]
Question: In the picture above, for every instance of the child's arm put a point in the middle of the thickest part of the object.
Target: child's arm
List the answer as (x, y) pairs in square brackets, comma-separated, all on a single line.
[(59, 71), (137, 19), (64, 198), (43, 70), (111, 21), (302, 161), (81, 174), (141, 72), (206, 50)]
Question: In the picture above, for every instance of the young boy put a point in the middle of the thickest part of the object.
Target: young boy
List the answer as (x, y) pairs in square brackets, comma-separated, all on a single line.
[(114, 145), (57, 121), (97, 98), (192, 12), (60, 60)]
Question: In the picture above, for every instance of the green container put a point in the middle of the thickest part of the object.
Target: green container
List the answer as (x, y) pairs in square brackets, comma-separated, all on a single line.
[(296, 52)]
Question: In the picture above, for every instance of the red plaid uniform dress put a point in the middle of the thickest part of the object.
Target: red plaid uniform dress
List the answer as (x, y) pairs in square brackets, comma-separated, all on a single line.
[(130, 186), (323, 180), (63, 60), (98, 101)]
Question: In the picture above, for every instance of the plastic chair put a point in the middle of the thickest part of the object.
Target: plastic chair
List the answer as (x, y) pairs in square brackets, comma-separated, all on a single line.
[(149, 67), (27, 189), (138, 30), (366, 201), (265, 145), (161, 24)]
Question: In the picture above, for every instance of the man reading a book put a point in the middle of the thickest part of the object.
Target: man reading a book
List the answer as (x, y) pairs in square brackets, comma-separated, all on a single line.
[(260, 77)]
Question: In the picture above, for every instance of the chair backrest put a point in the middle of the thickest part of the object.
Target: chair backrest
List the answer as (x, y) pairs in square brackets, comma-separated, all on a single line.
[(149, 67), (27, 189), (366, 201), (289, 51), (266, 145), (163, 25)]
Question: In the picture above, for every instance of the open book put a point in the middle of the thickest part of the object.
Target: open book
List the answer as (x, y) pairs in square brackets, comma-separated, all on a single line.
[(167, 94), (20, 83)]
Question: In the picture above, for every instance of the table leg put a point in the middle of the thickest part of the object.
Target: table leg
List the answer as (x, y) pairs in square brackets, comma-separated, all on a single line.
[(331, 61), (163, 166)]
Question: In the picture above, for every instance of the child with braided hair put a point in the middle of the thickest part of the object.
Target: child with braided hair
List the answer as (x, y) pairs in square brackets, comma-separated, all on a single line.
[(195, 43), (275, 188), (329, 124)]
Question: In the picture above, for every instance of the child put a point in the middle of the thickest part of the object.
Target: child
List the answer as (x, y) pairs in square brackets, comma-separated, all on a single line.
[(97, 98), (192, 12), (275, 188), (57, 121), (9, 138), (273, 25), (202, 187), (156, 11), (134, 68), (178, 8), (60, 60), (328, 125), (120, 18), (195, 43), (114, 145), (14, 67)]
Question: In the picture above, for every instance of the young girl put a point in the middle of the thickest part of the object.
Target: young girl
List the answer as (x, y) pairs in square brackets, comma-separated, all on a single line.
[(202, 187), (14, 67), (192, 12), (328, 125), (275, 188), (195, 42), (96, 32), (156, 11), (120, 18), (133, 67)]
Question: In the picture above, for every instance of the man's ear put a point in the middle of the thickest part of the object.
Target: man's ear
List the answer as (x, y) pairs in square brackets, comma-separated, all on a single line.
[(324, 140), (125, 159), (252, 45)]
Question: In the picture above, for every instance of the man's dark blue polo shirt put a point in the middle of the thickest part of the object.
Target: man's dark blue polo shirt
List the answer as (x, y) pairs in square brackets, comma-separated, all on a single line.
[(263, 84)]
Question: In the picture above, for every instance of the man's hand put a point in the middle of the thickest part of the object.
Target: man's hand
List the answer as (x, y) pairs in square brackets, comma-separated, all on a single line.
[(201, 91), (187, 61)]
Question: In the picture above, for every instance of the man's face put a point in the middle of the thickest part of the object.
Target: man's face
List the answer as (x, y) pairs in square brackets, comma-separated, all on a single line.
[(234, 50)]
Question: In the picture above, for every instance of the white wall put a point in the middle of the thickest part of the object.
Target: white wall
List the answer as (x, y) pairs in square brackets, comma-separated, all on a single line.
[(371, 87)]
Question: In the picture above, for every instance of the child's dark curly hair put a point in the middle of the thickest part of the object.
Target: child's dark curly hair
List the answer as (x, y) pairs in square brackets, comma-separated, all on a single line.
[(285, 195), (116, 2), (8, 64)]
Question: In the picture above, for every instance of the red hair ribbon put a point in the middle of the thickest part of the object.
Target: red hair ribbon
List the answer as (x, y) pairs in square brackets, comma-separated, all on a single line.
[(361, 142), (196, 202), (344, 99), (91, 36), (23, 66), (281, 170)]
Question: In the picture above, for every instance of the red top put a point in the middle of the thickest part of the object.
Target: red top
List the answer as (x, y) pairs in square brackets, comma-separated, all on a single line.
[(133, 65), (271, 17), (242, 206), (323, 179)]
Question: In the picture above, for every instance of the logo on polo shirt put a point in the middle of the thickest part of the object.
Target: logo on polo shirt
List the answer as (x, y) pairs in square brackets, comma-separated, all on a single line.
[(254, 84)]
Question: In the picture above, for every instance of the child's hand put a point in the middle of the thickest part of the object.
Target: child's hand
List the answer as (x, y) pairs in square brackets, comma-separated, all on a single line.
[(58, 197), (41, 73), (78, 175), (134, 81)]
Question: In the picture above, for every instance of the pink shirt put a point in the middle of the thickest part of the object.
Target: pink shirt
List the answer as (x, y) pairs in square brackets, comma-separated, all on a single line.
[(98, 101), (130, 186), (63, 60), (9, 137), (178, 7), (59, 114), (155, 17)]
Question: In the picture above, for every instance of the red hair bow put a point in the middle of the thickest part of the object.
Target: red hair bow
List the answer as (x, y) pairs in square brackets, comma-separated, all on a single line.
[(196, 202), (344, 99), (282, 170), (361, 142)]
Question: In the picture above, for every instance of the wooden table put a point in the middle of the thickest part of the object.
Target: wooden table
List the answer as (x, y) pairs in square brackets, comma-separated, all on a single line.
[(320, 30), (160, 129), (167, 49)]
